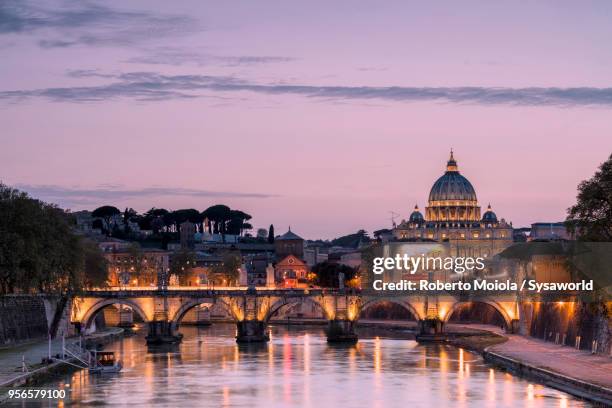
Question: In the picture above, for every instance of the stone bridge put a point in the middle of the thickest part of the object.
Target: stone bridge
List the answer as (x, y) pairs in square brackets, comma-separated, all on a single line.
[(251, 309)]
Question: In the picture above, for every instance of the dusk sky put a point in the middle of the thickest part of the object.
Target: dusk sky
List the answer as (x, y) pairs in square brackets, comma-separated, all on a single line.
[(324, 116)]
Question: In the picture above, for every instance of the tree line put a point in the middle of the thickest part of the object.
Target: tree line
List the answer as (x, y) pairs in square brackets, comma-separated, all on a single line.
[(39, 251), (218, 219)]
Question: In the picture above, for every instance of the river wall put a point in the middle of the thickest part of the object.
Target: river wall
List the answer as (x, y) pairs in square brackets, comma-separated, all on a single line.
[(587, 326), (32, 317)]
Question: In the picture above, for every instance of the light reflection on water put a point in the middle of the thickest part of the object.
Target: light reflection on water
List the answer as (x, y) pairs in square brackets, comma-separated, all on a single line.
[(298, 368)]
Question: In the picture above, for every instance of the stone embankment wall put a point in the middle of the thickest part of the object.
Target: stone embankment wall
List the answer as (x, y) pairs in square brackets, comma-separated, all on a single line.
[(32, 317), (572, 323)]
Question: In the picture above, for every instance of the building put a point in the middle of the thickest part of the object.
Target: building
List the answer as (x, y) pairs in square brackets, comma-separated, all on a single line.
[(314, 255), (351, 258), (187, 233), (256, 266), (453, 214), (291, 272), (549, 231), (84, 221), (289, 244), (135, 266)]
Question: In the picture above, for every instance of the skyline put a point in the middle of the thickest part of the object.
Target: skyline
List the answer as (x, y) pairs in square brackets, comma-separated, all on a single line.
[(322, 121)]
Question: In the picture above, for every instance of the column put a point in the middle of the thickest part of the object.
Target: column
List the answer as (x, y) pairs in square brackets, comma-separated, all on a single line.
[(251, 331), (341, 331)]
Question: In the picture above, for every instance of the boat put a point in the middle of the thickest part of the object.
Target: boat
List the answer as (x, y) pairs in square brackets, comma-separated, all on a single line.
[(104, 362)]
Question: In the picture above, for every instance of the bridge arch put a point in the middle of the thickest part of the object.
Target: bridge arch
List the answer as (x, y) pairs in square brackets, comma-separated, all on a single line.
[(190, 304), (101, 304), (278, 304), (404, 304), (495, 305)]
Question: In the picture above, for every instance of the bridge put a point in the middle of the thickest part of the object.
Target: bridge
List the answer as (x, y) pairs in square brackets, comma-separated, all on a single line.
[(251, 309)]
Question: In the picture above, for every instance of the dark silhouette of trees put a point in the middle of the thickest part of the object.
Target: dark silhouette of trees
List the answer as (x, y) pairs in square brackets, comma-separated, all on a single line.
[(217, 216), (327, 274), (106, 213), (95, 268), (39, 252), (237, 223), (177, 217), (379, 233), (352, 240), (271, 234), (154, 219), (129, 214), (590, 219)]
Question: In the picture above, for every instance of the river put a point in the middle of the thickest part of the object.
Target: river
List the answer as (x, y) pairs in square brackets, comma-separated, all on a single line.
[(298, 368)]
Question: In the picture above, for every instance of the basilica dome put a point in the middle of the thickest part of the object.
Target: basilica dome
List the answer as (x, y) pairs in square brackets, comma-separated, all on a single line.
[(452, 186), (452, 198)]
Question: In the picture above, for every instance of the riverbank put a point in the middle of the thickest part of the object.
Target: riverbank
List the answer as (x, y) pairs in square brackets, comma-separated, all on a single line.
[(32, 354), (576, 372)]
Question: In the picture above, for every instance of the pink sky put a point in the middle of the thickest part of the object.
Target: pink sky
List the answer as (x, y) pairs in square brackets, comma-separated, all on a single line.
[(313, 115)]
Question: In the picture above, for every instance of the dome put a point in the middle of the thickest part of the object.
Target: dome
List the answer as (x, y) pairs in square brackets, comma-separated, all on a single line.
[(416, 215), (452, 185), (489, 216)]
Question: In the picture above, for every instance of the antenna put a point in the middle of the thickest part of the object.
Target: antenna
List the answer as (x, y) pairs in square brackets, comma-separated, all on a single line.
[(394, 215)]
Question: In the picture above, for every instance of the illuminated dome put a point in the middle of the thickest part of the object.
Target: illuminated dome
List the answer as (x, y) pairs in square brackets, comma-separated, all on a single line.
[(416, 216), (452, 185), (489, 216), (452, 198)]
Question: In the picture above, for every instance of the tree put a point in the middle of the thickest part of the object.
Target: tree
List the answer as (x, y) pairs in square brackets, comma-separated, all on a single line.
[(128, 215), (152, 219), (181, 264), (352, 240), (106, 213), (590, 219), (327, 274), (271, 234), (227, 272), (95, 265), (188, 214), (39, 251), (98, 224), (237, 222), (217, 216), (379, 233), (262, 234)]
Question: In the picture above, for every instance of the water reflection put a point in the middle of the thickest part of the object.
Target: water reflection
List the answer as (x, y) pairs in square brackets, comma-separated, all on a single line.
[(299, 368)]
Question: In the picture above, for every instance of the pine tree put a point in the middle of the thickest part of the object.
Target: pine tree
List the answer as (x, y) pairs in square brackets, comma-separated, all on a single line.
[(271, 234)]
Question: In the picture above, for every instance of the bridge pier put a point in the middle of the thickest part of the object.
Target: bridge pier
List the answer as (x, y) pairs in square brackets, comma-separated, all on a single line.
[(126, 318), (341, 331), (203, 316), (162, 332), (251, 331), (431, 330), (514, 327)]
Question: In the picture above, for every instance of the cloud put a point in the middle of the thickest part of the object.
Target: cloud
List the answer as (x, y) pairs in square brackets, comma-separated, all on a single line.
[(113, 193), (178, 56), (148, 86), (85, 23)]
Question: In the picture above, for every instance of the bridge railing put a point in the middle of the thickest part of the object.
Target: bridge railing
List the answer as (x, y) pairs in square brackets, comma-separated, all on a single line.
[(194, 288)]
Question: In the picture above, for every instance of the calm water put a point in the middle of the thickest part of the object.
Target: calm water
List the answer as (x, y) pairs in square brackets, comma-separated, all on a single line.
[(298, 368)]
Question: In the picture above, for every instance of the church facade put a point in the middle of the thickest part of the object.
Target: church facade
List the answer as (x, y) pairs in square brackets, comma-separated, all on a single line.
[(453, 215)]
